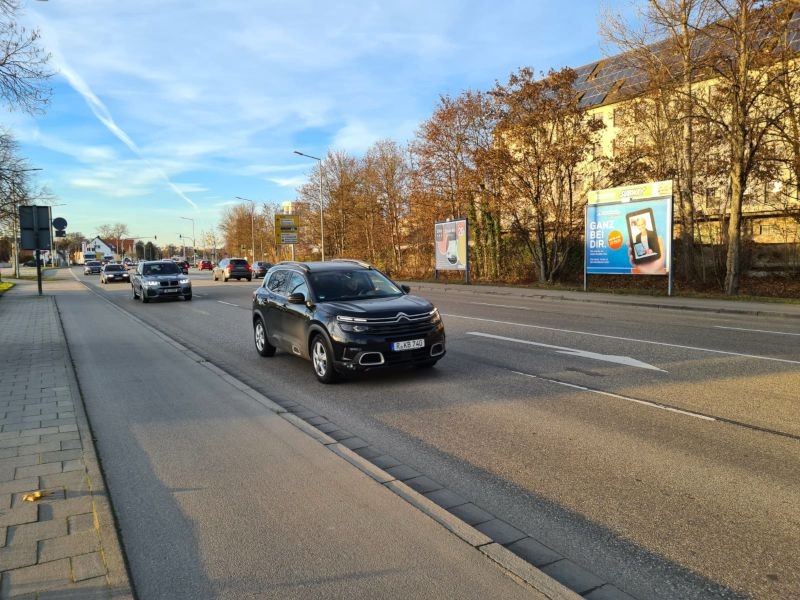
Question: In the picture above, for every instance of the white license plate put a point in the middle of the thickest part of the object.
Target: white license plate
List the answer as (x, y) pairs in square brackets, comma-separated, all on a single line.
[(408, 345), (170, 291)]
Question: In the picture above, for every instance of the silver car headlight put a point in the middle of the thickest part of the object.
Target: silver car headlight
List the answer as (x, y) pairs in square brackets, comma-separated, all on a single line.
[(183, 281), (152, 283)]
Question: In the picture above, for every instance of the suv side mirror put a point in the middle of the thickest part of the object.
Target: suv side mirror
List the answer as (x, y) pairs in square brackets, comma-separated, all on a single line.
[(405, 288), (296, 298)]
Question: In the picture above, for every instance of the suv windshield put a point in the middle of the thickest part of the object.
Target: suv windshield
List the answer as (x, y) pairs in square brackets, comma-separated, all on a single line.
[(169, 268), (114, 268), (361, 284)]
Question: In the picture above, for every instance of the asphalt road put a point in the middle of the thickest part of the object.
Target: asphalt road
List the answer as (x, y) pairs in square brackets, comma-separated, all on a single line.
[(658, 449)]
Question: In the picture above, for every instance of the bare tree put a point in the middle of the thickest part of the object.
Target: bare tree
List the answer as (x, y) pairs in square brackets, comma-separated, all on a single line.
[(747, 75), (23, 63), (664, 47)]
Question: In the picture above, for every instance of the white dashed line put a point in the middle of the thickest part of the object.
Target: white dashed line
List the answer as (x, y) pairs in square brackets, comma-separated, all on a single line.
[(756, 330)]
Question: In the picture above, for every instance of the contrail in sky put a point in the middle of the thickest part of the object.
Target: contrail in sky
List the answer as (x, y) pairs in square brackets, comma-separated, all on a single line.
[(101, 112)]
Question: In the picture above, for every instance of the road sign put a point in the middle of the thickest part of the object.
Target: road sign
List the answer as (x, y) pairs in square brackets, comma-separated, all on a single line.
[(34, 224), (60, 223), (286, 229)]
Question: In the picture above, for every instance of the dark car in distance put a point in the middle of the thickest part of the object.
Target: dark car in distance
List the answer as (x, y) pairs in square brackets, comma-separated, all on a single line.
[(114, 272), (160, 279), (344, 316), (233, 268), (260, 268), (184, 265), (92, 266)]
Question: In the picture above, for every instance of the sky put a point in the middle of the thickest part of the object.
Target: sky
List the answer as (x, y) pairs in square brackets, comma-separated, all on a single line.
[(166, 110)]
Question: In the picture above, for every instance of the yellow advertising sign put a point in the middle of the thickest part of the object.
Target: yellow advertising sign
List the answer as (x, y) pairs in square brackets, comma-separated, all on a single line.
[(286, 229), (628, 193)]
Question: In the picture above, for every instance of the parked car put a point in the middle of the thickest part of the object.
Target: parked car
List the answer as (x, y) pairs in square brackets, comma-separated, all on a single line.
[(114, 272), (260, 268), (205, 265), (160, 279), (345, 317), (92, 267), (233, 268)]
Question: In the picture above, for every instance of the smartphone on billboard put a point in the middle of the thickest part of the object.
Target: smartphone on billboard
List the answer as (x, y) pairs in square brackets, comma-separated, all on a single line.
[(643, 236)]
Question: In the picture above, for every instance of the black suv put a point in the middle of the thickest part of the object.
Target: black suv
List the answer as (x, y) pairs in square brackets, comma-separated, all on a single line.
[(345, 316), (233, 268)]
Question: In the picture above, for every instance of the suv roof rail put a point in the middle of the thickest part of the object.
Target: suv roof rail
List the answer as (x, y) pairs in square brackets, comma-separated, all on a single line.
[(295, 263), (360, 263)]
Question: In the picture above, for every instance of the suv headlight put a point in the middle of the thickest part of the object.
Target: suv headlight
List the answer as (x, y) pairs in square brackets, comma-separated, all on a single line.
[(183, 281), (435, 316), (355, 324), (152, 283)]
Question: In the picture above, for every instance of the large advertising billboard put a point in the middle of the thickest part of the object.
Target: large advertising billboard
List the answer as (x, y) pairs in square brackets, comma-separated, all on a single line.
[(629, 230), (451, 245)]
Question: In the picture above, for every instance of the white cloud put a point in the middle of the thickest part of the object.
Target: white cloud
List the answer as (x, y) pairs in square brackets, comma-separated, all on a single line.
[(290, 182)]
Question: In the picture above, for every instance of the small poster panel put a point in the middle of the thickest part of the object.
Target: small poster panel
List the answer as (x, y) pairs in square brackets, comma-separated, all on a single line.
[(629, 230), (286, 228), (451, 245)]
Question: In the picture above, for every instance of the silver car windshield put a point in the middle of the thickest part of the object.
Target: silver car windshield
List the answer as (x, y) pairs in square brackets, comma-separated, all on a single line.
[(161, 269)]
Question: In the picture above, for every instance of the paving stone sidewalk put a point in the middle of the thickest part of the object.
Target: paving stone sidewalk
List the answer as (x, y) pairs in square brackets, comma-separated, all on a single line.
[(63, 546)]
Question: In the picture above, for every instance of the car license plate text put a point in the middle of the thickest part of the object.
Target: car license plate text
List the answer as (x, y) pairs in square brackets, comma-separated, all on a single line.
[(408, 345)]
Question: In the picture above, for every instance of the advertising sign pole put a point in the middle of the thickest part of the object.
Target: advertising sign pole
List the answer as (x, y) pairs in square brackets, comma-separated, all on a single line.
[(671, 237), (585, 248), (466, 268)]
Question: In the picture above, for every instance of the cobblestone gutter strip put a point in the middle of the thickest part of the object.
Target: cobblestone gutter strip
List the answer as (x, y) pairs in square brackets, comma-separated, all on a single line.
[(65, 544)]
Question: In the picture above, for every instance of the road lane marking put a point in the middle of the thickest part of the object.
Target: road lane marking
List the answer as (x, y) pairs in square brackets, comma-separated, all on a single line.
[(657, 405), (625, 339), (622, 360), (756, 330), (667, 407), (501, 305), (229, 304), (583, 388)]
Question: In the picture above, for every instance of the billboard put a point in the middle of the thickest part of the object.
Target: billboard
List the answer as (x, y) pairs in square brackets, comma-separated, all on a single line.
[(451, 245), (286, 229), (629, 230)]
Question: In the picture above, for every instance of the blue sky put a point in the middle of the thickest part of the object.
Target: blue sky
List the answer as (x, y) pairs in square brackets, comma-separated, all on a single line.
[(164, 109)]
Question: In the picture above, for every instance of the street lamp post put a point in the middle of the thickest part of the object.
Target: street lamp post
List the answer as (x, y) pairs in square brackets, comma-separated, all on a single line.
[(321, 221), (194, 251), (252, 225)]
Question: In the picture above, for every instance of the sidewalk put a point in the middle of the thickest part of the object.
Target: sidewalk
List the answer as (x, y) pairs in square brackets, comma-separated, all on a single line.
[(714, 305), (65, 543), (280, 510)]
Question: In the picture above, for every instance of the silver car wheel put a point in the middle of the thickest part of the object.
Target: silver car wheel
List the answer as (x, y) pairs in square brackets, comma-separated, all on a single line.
[(261, 336), (320, 358)]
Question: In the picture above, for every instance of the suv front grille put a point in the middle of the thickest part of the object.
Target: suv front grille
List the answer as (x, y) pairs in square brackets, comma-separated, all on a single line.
[(400, 326), (172, 283)]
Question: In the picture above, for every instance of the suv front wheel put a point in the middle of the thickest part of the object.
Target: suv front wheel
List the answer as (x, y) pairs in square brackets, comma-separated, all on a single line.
[(322, 359)]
